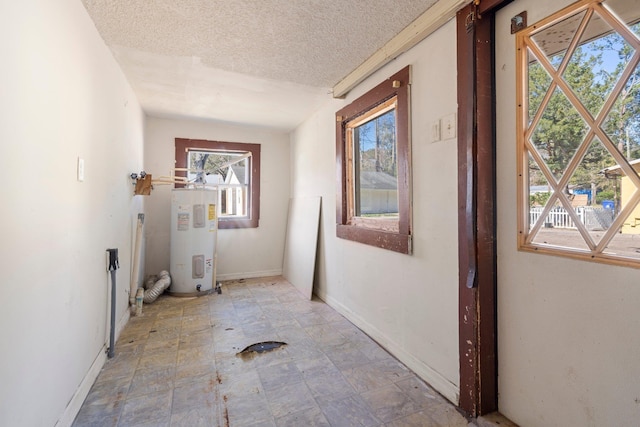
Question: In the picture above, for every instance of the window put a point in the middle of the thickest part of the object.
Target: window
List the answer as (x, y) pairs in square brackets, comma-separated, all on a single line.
[(373, 158), (234, 168), (229, 170), (579, 133)]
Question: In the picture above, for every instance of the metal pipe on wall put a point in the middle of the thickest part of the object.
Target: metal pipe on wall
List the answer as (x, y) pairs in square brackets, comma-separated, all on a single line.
[(113, 266)]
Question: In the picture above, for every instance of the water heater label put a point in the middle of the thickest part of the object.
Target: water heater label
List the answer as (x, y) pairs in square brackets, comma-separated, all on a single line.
[(198, 216), (212, 212), (183, 221), (197, 267)]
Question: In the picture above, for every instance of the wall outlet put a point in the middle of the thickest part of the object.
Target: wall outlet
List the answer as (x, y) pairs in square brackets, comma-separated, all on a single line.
[(449, 126), (435, 131)]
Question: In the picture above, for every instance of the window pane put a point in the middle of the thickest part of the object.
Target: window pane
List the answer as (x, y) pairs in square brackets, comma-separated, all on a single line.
[(230, 171), (538, 85), (233, 201), (376, 179), (559, 133), (595, 66), (555, 40)]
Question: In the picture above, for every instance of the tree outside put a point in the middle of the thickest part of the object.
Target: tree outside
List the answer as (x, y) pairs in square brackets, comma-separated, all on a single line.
[(592, 72), (206, 163)]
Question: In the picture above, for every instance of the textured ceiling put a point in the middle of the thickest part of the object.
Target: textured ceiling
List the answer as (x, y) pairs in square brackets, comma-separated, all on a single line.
[(259, 62)]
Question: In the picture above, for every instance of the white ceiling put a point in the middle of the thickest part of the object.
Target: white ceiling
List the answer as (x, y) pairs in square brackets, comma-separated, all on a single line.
[(257, 62)]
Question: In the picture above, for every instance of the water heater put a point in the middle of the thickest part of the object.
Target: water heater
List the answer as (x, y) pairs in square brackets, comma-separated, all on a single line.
[(194, 232)]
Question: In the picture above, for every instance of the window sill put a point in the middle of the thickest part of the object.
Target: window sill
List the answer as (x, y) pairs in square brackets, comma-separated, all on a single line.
[(389, 225), (224, 224), (381, 239)]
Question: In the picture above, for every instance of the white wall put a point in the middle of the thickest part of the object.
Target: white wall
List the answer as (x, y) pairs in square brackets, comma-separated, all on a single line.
[(568, 341), (249, 252), (409, 303), (62, 96)]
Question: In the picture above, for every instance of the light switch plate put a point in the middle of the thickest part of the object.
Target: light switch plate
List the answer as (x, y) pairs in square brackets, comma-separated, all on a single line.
[(449, 126), (435, 131)]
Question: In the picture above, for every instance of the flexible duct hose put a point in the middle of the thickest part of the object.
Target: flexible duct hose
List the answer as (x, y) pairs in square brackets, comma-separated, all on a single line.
[(150, 295), (150, 282)]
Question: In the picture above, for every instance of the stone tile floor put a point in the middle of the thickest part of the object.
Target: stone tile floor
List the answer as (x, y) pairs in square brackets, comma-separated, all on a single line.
[(178, 365)]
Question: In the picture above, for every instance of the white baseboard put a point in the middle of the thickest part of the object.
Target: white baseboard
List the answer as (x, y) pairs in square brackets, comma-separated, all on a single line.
[(441, 384), (74, 405), (123, 322), (249, 275), (82, 391)]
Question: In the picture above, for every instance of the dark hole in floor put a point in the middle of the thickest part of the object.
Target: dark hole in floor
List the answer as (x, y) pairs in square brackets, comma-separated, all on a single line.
[(262, 347)]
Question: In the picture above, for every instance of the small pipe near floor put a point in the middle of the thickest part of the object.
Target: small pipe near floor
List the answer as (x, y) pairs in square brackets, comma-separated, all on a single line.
[(135, 271)]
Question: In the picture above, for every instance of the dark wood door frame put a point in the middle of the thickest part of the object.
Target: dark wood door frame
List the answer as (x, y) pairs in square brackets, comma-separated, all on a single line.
[(476, 208)]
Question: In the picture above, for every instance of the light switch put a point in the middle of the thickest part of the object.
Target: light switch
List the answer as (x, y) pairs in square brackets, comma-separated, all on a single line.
[(435, 131), (449, 126), (80, 169)]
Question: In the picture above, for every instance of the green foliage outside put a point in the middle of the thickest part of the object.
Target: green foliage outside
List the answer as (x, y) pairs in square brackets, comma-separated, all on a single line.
[(539, 199), (605, 195)]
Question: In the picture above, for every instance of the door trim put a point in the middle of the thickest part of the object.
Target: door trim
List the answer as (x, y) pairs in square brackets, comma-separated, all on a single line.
[(477, 209)]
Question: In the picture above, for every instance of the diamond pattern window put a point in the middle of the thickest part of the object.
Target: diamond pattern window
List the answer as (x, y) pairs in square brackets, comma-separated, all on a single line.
[(579, 133)]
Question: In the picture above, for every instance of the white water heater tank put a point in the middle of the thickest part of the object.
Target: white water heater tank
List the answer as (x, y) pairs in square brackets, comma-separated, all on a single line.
[(194, 233)]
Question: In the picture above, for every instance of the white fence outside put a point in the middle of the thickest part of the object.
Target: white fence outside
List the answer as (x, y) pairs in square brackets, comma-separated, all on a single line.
[(558, 217)]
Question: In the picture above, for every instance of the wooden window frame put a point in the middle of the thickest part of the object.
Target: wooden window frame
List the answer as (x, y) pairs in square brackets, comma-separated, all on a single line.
[(378, 233), (183, 146)]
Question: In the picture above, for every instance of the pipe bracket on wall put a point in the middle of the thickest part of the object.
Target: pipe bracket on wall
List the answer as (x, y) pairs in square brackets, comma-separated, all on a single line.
[(114, 263), (142, 183)]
